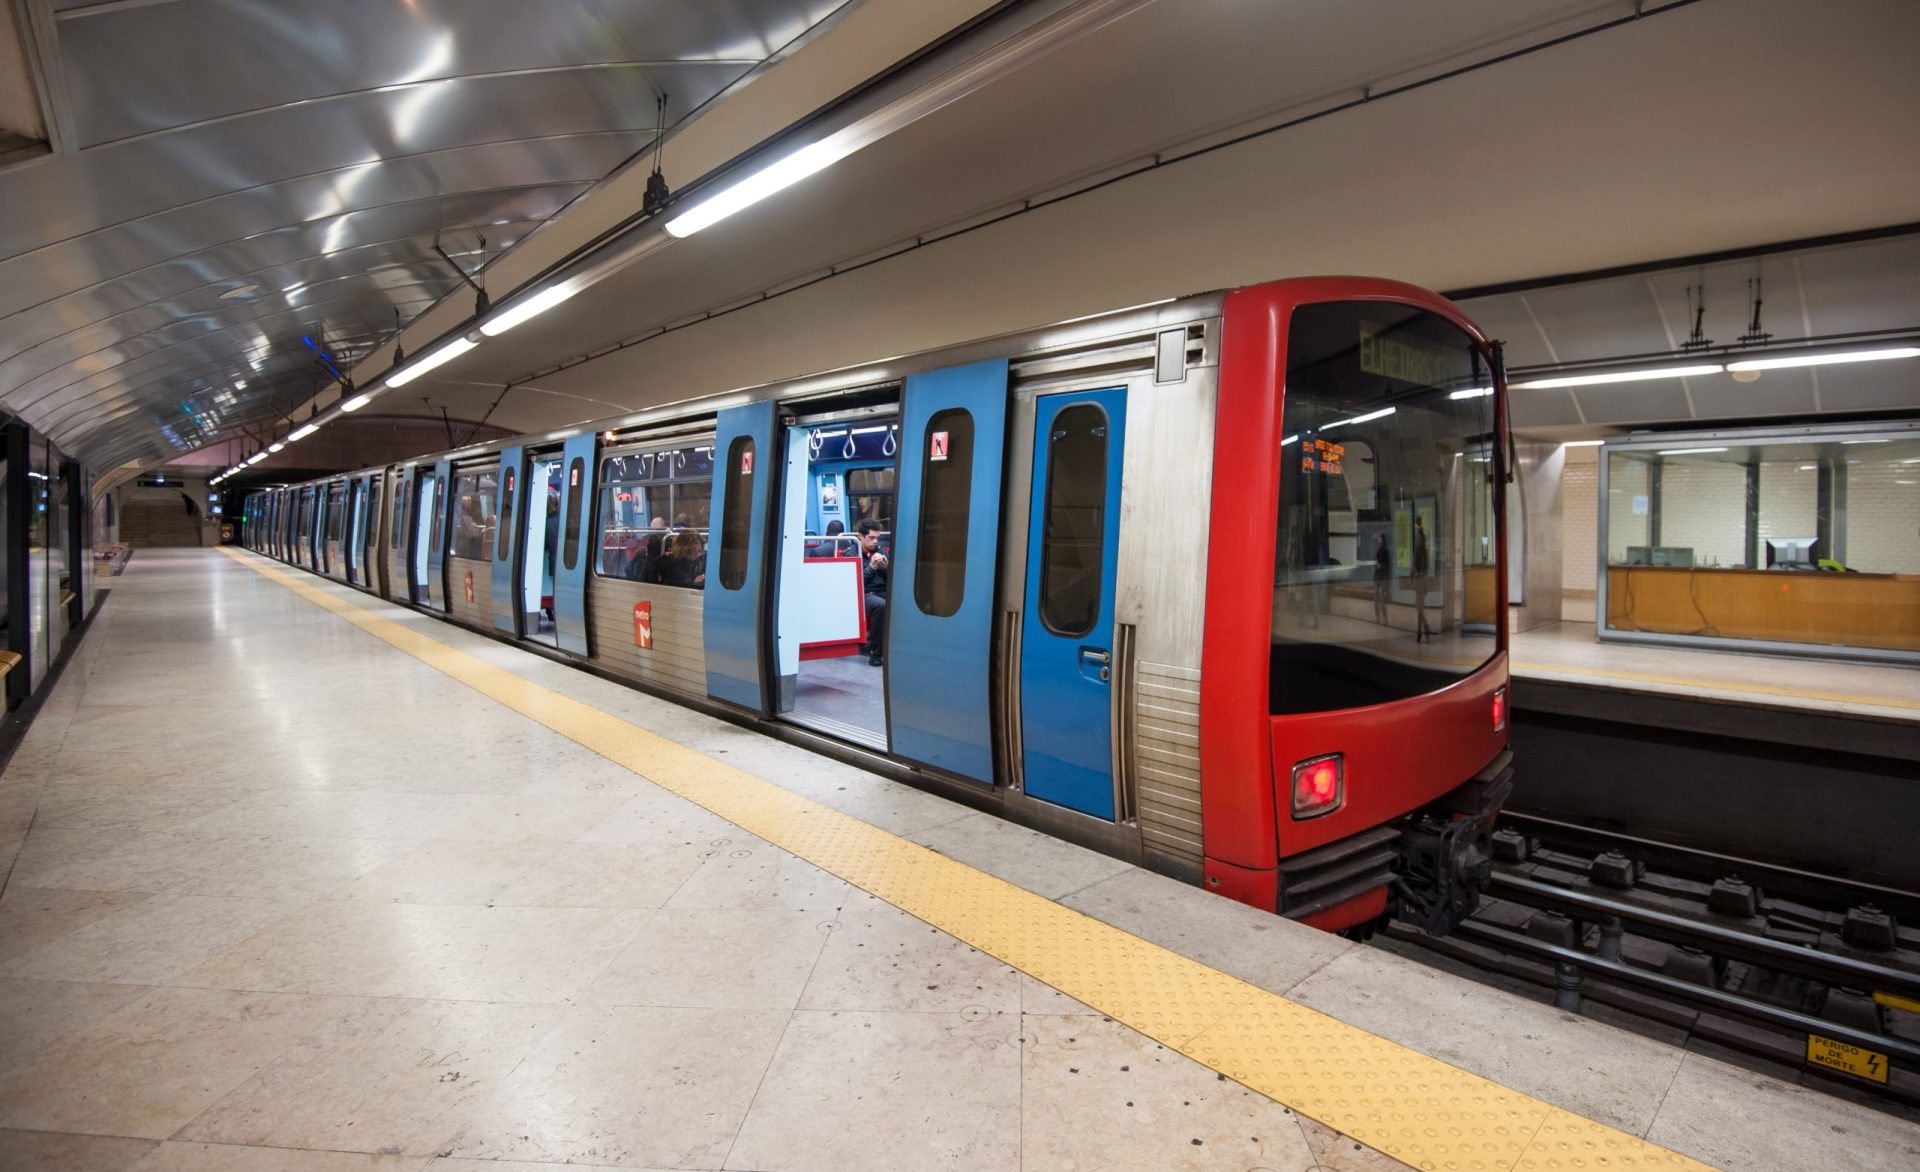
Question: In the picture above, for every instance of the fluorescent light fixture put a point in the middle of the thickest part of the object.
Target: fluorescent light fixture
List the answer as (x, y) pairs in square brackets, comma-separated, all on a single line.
[(256, 457), (432, 359), (275, 447), (1472, 393), (1290, 440), (1584, 443), (1688, 451), (770, 180), (1624, 376), (300, 433), (357, 402), (1825, 359), (1809, 467), (1850, 443), (1369, 417), (519, 311)]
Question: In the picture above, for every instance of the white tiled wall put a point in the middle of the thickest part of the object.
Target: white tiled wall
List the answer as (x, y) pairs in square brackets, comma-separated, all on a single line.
[(1703, 506), (1579, 533), (1883, 517), (1789, 495)]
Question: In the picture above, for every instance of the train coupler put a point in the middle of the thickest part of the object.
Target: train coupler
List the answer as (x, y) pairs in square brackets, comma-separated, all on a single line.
[(1446, 852)]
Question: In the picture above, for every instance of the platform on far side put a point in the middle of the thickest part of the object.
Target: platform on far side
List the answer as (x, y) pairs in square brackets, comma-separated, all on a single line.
[(312, 881)]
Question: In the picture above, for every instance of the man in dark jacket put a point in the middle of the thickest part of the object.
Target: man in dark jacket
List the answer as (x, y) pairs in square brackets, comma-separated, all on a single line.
[(873, 579)]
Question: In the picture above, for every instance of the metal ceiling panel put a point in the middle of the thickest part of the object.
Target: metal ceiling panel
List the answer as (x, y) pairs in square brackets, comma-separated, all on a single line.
[(260, 257), (35, 277), (155, 67), (316, 149)]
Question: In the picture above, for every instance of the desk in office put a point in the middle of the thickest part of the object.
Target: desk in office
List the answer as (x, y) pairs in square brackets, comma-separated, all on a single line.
[(1793, 606)]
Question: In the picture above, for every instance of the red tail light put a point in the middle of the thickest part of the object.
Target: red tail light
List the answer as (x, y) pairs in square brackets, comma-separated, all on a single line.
[(1500, 709), (1319, 786)]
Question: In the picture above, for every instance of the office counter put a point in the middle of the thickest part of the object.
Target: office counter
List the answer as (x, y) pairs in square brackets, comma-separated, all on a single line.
[(1792, 606)]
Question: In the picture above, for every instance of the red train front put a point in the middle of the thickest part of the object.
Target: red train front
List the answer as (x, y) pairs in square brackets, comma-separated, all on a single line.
[(1353, 716)]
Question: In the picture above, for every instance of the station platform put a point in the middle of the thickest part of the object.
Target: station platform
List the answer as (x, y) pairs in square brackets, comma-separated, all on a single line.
[(301, 880), (1569, 653)]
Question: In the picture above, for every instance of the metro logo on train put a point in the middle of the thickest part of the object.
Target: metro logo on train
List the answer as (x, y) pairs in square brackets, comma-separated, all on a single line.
[(1213, 585)]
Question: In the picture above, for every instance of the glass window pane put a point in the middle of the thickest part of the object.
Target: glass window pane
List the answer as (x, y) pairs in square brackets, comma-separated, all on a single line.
[(336, 511), (1385, 582), (576, 492), (504, 521), (474, 494), (946, 494), (738, 513), (1073, 543)]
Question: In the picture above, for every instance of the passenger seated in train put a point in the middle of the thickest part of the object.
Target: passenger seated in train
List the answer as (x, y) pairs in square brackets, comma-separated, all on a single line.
[(686, 561), (873, 579), (648, 553)]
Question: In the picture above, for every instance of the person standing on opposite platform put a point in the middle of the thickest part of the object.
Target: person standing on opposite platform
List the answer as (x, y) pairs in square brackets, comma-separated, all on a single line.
[(873, 580), (1382, 570), (1421, 566)]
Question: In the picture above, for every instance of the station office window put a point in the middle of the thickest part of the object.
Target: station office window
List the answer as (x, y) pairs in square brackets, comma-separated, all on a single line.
[(1789, 540)]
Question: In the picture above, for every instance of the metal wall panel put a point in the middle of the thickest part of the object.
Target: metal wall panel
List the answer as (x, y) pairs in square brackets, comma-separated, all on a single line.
[(677, 659), (470, 592)]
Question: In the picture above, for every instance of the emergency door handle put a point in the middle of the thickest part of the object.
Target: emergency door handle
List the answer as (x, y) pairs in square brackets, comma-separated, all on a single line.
[(1093, 655)]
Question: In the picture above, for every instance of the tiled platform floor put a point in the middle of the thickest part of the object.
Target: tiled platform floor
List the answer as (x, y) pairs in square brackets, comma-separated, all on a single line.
[(285, 898)]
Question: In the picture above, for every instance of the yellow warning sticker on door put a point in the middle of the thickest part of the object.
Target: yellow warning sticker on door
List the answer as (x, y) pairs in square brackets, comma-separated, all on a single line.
[(1843, 1056)]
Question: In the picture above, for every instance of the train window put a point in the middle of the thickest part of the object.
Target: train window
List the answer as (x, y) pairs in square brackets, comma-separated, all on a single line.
[(373, 518), (1385, 585), (474, 493), (436, 542), (576, 492), (870, 497), (737, 513), (654, 512), (1073, 542), (946, 492), (399, 530), (336, 514), (505, 518)]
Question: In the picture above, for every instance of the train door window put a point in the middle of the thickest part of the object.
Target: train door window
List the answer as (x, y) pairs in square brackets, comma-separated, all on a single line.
[(474, 493), (435, 514), (371, 537), (940, 560), (576, 493), (336, 513), (870, 497), (633, 518), (739, 510), (1073, 542), (398, 533), (504, 522)]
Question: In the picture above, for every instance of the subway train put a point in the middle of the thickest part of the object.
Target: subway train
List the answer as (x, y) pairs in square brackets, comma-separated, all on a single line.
[(1215, 585)]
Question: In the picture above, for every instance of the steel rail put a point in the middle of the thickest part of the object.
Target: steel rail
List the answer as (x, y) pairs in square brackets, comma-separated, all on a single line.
[(1731, 942)]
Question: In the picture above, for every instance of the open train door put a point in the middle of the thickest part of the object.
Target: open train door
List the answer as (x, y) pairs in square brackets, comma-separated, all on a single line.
[(503, 547), (735, 598), (433, 533), (576, 544), (940, 615)]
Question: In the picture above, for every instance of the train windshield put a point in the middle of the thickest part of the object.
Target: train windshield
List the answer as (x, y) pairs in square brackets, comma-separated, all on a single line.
[(1386, 558)]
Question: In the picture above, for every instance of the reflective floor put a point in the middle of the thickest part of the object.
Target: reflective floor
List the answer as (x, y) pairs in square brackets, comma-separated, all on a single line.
[(288, 898)]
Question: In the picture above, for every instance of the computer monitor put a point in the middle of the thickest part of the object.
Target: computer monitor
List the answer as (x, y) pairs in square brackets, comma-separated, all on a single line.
[(1792, 553)]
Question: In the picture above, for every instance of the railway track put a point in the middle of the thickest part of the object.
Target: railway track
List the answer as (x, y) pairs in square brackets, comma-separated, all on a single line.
[(1817, 972)]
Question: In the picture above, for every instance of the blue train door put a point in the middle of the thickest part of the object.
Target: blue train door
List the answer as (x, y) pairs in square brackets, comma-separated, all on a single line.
[(940, 625), (735, 597), (1066, 625), (507, 521), (576, 544), (433, 532)]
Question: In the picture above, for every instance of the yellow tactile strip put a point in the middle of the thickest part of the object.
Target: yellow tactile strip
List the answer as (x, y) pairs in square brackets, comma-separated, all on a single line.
[(1404, 1103)]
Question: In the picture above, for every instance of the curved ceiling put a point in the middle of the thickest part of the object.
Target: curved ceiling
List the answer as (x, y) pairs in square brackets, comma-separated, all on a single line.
[(224, 180)]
